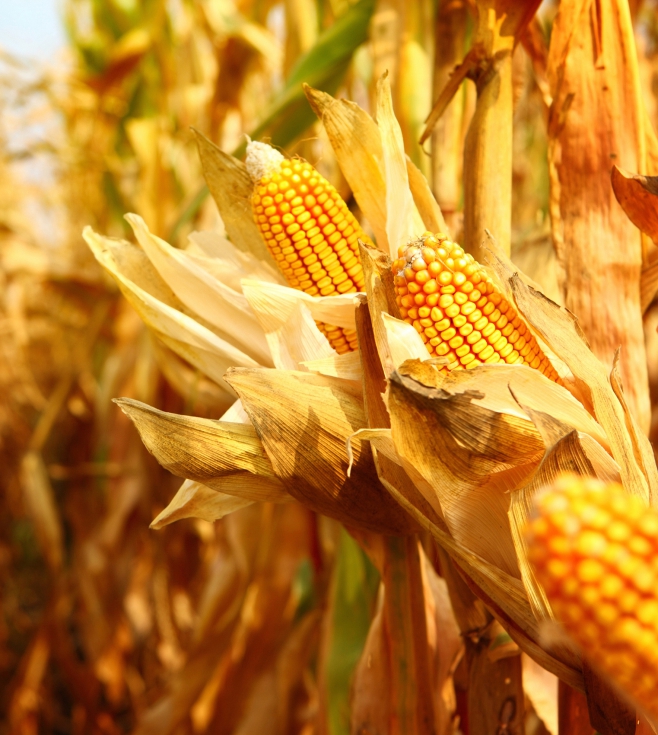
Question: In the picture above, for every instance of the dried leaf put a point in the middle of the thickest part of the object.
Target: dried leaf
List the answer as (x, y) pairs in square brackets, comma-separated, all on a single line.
[(227, 457), (304, 421), (194, 500), (157, 306), (231, 188), (559, 329), (356, 142), (346, 366), (403, 222), (471, 456), (226, 309)]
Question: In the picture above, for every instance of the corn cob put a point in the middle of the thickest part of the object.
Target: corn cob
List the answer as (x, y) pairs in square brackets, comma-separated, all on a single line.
[(595, 551), (458, 311), (308, 229)]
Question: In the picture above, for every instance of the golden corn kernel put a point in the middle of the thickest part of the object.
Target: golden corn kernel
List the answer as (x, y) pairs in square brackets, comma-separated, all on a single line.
[(308, 229), (592, 548), (468, 301)]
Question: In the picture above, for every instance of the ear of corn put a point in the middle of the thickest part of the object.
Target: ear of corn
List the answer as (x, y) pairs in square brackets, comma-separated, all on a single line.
[(595, 551), (308, 229), (458, 311)]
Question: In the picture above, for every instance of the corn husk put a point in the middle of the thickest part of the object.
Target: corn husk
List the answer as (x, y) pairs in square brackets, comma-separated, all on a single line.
[(227, 457), (194, 500), (304, 422)]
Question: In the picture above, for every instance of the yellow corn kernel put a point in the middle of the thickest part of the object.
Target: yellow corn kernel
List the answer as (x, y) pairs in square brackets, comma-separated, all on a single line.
[(436, 274), (308, 229), (602, 584)]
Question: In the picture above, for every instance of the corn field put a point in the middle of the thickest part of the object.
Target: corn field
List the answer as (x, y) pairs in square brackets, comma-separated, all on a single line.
[(329, 369)]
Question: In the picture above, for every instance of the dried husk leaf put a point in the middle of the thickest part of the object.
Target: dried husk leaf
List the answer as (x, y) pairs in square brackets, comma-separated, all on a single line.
[(218, 256), (560, 330), (404, 342), (304, 421), (288, 316), (226, 309), (403, 222), (505, 596), (231, 188), (356, 142), (160, 309), (470, 455), (346, 366), (597, 118), (194, 500), (227, 457)]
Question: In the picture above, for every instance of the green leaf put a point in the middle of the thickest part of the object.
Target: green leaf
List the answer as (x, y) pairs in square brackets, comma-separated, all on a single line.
[(354, 591)]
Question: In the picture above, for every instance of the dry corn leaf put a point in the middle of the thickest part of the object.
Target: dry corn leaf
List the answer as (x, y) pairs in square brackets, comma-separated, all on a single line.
[(227, 457), (346, 366), (152, 299), (227, 310), (560, 330), (304, 421), (231, 188), (404, 342), (291, 332), (218, 256), (403, 222), (194, 500), (597, 118), (470, 455), (356, 142)]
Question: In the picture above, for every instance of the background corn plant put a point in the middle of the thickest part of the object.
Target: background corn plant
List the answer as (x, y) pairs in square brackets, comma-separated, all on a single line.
[(256, 623)]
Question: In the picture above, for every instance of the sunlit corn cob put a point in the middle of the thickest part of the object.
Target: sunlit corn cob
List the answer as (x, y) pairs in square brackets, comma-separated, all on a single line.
[(309, 230), (458, 311), (595, 551)]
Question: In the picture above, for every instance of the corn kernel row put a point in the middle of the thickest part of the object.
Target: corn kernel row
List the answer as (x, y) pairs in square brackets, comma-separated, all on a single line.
[(595, 551), (312, 235), (458, 311)]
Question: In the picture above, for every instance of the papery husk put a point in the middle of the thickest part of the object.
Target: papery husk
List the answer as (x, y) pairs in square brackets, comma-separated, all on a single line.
[(346, 366), (403, 221), (470, 455), (162, 311), (561, 331), (597, 118), (227, 310), (231, 188), (288, 316), (194, 500), (357, 142), (304, 421), (227, 457)]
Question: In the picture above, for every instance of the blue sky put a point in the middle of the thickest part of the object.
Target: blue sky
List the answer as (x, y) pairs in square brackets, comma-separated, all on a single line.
[(31, 28)]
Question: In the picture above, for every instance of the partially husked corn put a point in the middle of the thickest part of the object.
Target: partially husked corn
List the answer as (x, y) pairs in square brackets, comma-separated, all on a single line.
[(458, 311), (308, 229), (594, 549)]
